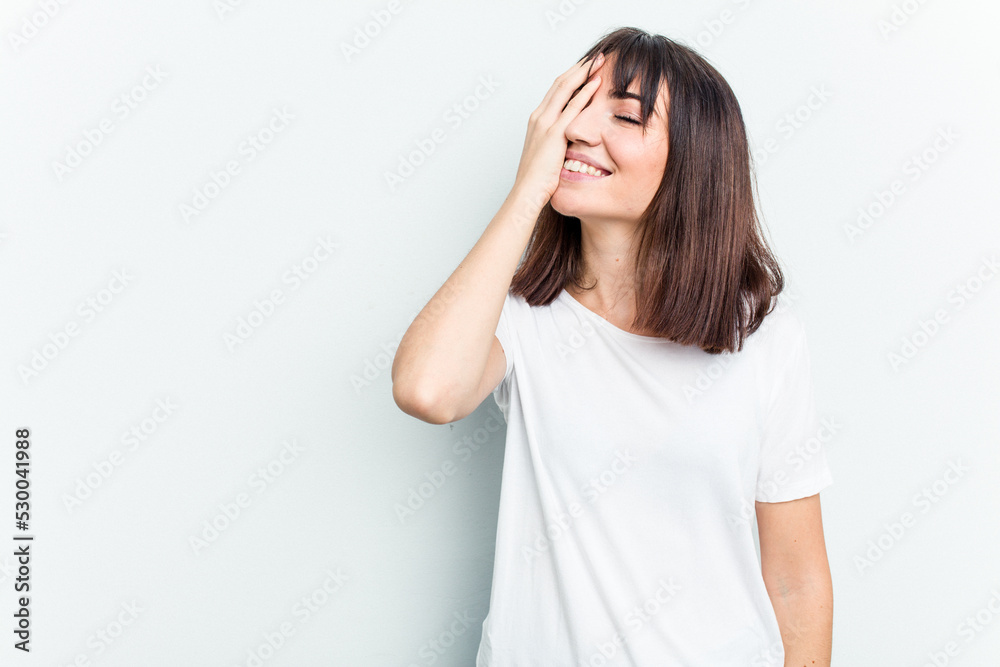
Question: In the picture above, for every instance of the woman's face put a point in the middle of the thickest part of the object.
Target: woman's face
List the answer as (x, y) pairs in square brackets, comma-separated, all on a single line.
[(604, 134)]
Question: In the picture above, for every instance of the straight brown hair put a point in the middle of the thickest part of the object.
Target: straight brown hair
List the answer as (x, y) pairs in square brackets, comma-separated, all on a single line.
[(704, 275)]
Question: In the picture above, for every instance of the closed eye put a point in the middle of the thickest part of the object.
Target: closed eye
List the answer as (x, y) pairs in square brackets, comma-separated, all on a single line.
[(628, 119)]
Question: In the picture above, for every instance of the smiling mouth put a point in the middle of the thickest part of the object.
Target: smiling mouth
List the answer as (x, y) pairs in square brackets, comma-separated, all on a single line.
[(575, 166)]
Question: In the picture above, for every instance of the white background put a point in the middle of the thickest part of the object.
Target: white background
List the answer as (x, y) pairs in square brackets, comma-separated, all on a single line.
[(314, 372)]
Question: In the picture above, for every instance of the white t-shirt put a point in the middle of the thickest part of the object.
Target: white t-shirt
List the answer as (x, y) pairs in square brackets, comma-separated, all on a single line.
[(632, 463)]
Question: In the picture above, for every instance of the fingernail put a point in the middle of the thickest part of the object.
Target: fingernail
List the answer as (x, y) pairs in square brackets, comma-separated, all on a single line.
[(600, 56)]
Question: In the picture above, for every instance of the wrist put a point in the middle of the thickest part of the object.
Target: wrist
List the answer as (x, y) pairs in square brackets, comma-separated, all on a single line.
[(524, 203)]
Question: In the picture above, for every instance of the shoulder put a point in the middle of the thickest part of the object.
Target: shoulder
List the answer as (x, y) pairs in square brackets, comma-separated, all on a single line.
[(780, 334), (781, 356), (517, 304), (515, 313), (513, 303), (515, 299)]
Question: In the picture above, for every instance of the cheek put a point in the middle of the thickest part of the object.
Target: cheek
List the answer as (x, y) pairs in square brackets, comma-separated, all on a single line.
[(641, 170), (651, 165)]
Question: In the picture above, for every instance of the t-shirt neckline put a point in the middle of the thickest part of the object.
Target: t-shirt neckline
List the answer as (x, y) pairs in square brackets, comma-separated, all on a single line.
[(565, 295)]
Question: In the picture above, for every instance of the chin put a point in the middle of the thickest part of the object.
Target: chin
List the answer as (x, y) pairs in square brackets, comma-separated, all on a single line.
[(564, 204)]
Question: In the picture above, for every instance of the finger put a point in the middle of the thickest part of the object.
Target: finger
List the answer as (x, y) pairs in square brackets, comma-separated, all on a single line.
[(579, 100), (585, 65), (574, 78), (566, 85)]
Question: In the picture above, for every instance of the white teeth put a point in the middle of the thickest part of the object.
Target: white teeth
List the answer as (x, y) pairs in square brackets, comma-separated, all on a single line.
[(576, 165)]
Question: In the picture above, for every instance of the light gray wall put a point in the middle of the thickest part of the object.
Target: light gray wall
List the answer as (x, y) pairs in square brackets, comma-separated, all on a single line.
[(311, 382)]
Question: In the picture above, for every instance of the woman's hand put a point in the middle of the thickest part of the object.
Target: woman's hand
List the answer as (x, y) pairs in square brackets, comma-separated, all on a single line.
[(545, 144)]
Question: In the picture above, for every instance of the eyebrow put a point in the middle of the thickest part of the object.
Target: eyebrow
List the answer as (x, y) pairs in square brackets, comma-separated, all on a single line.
[(616, 95), (625, 95)]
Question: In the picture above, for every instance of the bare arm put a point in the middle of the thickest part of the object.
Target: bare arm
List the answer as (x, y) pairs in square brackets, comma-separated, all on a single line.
[(449, 356), (442, 358), (797, 577)]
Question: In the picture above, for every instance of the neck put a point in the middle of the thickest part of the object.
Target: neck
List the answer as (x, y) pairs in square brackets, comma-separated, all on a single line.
[(609, 267)]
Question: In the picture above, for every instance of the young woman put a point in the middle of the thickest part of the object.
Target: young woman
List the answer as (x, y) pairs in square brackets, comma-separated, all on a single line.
[(658, 404)]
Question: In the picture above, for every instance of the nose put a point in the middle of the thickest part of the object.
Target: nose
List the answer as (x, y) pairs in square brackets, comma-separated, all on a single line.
[(586, 127)]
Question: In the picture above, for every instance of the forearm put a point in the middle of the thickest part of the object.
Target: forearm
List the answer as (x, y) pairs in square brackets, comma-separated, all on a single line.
[(805, 618), (443, 353)]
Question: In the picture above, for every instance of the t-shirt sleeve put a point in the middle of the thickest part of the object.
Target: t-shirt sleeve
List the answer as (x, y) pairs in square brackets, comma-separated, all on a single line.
[(505, 334), (792, 461)]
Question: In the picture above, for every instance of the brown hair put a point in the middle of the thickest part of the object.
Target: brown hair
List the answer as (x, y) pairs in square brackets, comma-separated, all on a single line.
[(704, 275)]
